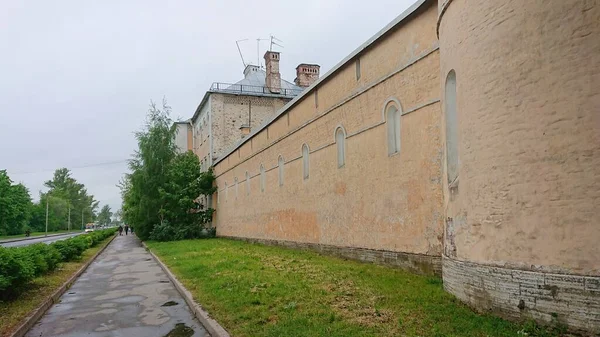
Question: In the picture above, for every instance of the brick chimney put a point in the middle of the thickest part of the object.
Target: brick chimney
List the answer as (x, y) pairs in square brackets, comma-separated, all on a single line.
[(273, 78), (306, 74)]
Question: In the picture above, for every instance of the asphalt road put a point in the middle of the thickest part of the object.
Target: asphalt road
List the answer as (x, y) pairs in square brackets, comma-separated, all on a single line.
[(41, 239), (123, 293)]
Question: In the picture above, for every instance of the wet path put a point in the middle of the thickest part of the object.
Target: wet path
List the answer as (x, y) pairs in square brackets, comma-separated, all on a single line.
[(122, 293)]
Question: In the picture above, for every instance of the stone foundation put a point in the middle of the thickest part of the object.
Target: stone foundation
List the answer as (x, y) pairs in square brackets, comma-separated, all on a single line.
[(415, 263), (517, 294)]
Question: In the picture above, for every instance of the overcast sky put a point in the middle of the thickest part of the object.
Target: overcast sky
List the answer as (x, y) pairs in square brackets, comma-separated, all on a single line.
[(76, 76)]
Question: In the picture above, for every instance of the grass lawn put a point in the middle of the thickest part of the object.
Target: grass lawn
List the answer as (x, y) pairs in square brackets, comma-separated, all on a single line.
[(19, 236), (255, 290), (13, 312)]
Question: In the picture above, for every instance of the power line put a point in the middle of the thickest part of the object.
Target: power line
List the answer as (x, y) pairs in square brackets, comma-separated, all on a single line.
[(75, 167)]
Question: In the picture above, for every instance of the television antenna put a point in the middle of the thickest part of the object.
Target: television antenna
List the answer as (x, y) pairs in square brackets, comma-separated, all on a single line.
[(273, 39), (258, 51), (237, 43)]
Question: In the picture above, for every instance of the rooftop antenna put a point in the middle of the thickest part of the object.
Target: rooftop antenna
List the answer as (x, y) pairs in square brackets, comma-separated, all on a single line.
[(273, 39), (237, 43), (258, 51)]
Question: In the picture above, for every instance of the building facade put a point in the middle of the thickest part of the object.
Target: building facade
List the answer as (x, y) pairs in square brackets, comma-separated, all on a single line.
[(228, 112), (462, 140)]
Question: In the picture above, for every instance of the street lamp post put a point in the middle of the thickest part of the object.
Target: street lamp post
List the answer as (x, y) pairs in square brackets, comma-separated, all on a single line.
[(46, 215)]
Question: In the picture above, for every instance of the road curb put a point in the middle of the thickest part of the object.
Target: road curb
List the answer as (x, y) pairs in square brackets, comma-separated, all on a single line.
[(33, 238), (213, 327), (41, 310)]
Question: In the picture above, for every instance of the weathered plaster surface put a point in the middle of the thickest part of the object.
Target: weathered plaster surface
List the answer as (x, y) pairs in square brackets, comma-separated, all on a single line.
[(528, 87), (375, 201)]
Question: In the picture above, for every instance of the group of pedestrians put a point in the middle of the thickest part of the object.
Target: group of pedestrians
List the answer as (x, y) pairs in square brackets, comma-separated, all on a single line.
[(127, 228)]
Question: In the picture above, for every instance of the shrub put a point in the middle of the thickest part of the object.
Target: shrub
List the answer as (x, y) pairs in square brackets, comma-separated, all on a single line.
[(169, 232), (66, 250), (19, 265), (16, 270)]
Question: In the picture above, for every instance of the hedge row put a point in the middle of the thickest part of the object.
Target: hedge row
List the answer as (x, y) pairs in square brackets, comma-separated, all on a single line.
[(20, 265)]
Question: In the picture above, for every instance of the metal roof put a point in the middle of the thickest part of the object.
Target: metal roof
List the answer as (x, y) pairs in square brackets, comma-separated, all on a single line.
[(254, 76), (254, 84)]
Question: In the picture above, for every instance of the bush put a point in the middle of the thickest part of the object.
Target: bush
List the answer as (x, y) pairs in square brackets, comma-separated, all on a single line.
[(16, 269), (19, 265), (169, 232)]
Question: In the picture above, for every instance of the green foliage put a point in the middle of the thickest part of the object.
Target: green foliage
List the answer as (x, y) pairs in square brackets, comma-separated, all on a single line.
[(15, 206), (18, 213), (19, 265), (161, 194), (66, 192), (15, 270), (104, 217)]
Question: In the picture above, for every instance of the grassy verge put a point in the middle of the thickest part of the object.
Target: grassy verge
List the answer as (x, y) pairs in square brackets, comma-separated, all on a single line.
[(22, 236), (255, 290), (13, 312)]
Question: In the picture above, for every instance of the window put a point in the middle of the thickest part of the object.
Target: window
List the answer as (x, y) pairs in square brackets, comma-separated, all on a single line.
[(357, 69), (393, 128), (316, 98), (305, 153), (340, 139), (236, 187), (452, 159), (262, 178), (247, 183), (280, 164)]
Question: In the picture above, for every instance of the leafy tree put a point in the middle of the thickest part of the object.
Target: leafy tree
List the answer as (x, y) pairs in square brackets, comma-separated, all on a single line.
[(160, 194), (65, 187), (15, 206), (104, 217)]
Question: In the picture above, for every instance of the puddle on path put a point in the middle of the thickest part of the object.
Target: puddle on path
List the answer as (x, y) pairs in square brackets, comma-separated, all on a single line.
[(180, 330), (169, 304)]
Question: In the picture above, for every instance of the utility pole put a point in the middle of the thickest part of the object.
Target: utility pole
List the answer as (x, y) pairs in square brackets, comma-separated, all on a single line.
[(69, 223), (82, 218), (46, 215)]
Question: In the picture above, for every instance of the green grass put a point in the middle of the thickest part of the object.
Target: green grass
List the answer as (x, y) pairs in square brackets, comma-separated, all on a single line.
[(255, 290), (13, 312), (33, 234)]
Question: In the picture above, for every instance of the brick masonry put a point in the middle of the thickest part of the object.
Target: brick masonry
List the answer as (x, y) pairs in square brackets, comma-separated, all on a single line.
[(573, 300), (416, 263)]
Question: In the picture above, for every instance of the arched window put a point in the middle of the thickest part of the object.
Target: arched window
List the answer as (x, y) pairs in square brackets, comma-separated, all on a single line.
[(280, 163), (236, 187), (392, 116), (262, 178), (452, 158), (247, 183), (340, 140), (305, 164)]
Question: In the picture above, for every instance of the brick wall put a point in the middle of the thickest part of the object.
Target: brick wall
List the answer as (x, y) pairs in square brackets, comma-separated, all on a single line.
[(230, 112), (376, 202)]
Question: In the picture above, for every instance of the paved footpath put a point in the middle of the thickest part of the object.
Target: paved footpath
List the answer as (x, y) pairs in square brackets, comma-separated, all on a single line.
[(122, 293)]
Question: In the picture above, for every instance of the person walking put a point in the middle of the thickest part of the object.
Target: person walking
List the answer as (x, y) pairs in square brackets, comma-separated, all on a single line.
[(126, 229), (131, 227), (120, 230)]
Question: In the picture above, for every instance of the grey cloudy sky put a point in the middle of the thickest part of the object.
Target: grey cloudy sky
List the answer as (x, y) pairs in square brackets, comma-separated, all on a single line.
[(76, 76)]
